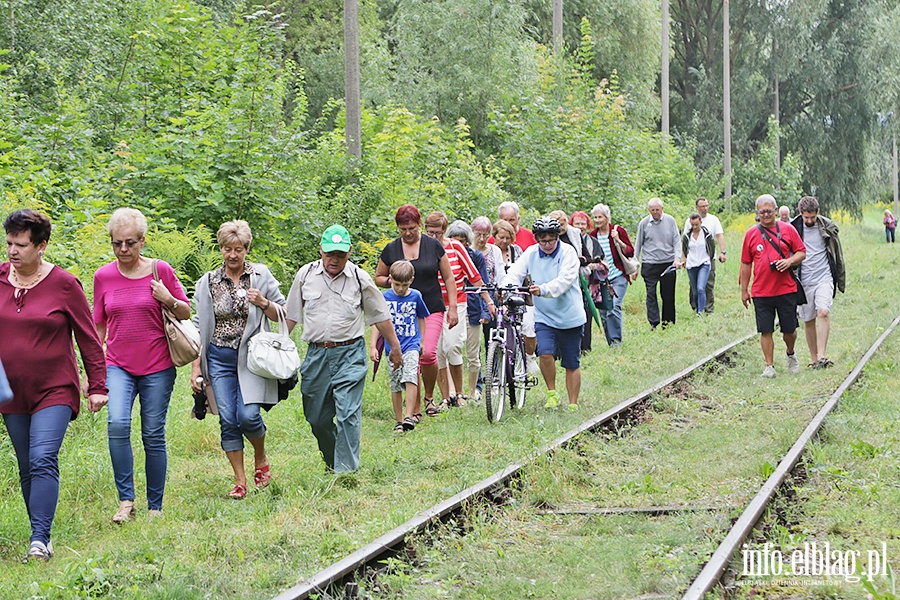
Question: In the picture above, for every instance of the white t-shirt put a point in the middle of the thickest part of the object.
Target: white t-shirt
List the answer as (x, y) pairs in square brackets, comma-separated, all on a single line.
[(710, 221)]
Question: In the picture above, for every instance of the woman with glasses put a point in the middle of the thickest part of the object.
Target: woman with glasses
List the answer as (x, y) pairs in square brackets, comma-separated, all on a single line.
[(128, 317)]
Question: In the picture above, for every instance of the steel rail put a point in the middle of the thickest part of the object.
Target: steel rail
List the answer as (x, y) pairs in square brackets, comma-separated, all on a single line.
[(712, 572), (390, 540)]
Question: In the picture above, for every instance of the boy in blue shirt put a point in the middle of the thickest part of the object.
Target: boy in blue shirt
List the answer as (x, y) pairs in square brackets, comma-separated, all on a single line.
[(408, 312)]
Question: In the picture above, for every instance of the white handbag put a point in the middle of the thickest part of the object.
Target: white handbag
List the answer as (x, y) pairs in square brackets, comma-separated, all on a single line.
[(273, 355)]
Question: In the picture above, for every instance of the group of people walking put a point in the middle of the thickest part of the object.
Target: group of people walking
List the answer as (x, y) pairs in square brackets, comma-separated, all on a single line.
[(125, 354), (434, 270), (572, 265)]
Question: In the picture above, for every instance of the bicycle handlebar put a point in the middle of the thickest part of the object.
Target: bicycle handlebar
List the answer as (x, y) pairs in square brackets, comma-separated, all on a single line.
[(495, 288)]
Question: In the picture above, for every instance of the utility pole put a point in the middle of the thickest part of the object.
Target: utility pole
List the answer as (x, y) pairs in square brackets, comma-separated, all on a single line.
[(896, 190), (664, 82), (352, 132), (558, 27), (726, 100), (777, 108)]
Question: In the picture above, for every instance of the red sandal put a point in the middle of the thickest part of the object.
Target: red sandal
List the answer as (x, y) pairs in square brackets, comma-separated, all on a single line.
[(239, 492), (261, 477)]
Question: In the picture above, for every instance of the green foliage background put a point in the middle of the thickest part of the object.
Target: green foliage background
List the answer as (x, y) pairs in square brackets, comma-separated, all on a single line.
[(201, 112), (197, 115)]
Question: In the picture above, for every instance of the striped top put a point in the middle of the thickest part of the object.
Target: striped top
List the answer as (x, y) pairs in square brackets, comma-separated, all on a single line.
[(463, 268)]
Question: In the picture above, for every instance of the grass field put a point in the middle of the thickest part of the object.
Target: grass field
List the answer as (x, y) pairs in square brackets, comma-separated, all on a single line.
[(730, 424)]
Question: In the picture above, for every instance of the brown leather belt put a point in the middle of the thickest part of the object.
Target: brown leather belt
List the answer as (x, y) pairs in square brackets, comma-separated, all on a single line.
[(334, 344)]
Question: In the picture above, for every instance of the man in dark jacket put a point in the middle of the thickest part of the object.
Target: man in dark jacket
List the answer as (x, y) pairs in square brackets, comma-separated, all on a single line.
[(821, 274)]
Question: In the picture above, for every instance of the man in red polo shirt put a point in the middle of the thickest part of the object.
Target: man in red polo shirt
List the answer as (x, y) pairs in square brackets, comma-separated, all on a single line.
[(509, 212), (770, 250)]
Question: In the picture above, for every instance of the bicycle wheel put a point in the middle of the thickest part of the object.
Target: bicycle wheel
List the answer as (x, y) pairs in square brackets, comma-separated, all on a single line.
[(495, 381), (520, 374)]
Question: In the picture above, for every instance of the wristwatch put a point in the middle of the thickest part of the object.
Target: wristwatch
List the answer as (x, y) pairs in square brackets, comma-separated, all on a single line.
[(175, 305)]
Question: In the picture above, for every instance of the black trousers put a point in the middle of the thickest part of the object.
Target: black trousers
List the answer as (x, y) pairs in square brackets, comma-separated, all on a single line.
[(651, 272)]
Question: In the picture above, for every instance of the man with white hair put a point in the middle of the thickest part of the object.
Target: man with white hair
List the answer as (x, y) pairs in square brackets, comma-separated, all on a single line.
[(509, 212), (770, 250), (658, 246), (784, 214)]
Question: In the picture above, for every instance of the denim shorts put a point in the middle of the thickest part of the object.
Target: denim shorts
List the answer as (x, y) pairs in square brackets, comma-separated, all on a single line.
[(565, 342)]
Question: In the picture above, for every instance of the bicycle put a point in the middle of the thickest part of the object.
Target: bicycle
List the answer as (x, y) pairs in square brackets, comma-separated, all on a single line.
[(505, 372)]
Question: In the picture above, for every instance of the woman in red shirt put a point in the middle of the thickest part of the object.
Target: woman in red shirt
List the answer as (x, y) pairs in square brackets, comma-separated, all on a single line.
[(41, 307)]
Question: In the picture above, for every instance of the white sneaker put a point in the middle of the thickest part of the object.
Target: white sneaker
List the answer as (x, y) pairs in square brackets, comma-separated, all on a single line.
[(531, 364), (793, 364), (769, 372)]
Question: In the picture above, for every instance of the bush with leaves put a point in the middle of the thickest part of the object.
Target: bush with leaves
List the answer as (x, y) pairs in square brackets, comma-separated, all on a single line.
[(405, 160)]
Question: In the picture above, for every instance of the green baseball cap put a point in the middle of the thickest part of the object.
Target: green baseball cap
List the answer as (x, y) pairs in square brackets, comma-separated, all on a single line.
[(337, 238)]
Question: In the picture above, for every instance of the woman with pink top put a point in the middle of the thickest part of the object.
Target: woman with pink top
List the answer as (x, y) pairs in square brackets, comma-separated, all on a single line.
[(127, 315)]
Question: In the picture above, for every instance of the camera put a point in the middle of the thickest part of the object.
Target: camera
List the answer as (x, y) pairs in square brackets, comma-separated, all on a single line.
[(773, 266), (199, 409)]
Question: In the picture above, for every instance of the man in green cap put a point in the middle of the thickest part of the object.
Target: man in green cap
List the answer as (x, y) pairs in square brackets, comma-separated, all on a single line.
[(335, 300)]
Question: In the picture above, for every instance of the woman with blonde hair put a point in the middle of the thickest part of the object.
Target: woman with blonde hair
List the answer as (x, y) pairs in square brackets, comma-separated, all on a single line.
[(128, 317), (890, 225), (453, 339), (233, 303)]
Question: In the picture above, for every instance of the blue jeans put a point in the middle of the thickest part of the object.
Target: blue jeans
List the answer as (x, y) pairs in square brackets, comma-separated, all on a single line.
[(236, 418), (612, 319), (331, 382), (698, 276), (36, 438), (155, 390)]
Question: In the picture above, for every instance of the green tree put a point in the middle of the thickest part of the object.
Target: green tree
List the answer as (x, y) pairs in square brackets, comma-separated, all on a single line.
[(569, 144), (457, 58), (625, 45)]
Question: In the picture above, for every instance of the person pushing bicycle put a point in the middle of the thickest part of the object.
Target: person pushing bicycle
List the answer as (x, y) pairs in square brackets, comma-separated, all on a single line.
[(558, 308)]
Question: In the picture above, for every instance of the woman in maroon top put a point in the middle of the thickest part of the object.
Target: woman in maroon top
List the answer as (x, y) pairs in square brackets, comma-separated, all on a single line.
[(41, 306)]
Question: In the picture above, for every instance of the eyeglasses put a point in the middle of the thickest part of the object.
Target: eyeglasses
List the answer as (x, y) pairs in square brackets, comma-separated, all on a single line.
[(127, 243), (482, 234), (547, 242), (766, 211), (435, 232)]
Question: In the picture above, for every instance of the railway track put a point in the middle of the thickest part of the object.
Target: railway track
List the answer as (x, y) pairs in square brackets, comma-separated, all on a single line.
[(326, 583), (711, 574)]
